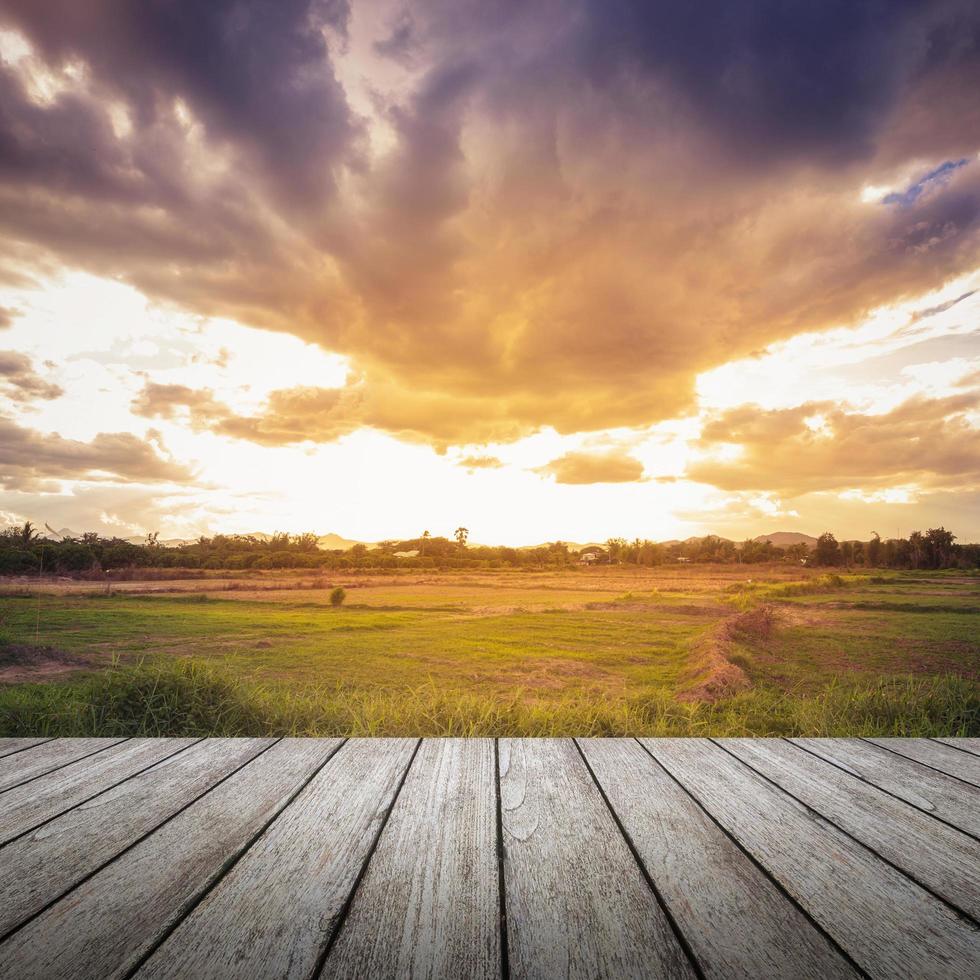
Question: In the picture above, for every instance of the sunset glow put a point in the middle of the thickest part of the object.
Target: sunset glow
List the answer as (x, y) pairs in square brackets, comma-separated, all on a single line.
[(549, 270)]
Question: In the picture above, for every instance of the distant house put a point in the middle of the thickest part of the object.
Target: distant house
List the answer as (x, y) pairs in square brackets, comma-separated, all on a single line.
[(407, 554), (589, 556), (683, 559)]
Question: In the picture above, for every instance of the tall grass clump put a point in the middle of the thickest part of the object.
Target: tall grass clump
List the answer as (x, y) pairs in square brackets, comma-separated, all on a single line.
[(184, 698), (746, 595), (157, 699)]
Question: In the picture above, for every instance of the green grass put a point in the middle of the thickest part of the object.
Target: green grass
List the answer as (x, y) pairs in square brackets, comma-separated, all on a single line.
[(852, 654), (545, 651), (187, 698)]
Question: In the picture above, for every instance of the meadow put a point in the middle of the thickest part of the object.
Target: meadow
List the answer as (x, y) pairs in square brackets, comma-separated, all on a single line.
[(613, 650)]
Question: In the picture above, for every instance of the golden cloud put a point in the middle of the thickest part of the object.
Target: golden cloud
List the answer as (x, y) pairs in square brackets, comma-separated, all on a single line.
[(21, 383), (564, 238), (304, 413), (480, 462), (584, 467), (29, 459), (821, 446)]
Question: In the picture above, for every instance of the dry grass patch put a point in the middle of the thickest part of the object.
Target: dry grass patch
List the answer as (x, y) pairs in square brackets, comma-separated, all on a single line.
[(21, 663)]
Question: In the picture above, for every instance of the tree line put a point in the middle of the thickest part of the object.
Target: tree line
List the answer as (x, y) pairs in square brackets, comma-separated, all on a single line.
[(24, 551)]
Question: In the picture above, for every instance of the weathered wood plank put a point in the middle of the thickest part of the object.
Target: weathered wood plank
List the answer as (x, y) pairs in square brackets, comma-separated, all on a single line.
[(109, 921), (48, 796), (577, 902), (963, 744), (38, 867), (429, 904), (737, 922), (274, 912), (887, 923), (10, 745), (945, 758), (941, 858), (23, 766), (948, 799)]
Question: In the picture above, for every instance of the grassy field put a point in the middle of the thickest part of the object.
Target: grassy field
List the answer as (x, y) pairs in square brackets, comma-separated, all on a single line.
[(717, 650)]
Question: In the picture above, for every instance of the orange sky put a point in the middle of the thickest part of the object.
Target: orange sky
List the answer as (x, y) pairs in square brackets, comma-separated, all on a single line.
[(550, 270)]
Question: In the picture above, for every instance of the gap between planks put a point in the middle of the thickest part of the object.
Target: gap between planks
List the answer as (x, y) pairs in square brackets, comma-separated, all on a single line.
[(499, 855)]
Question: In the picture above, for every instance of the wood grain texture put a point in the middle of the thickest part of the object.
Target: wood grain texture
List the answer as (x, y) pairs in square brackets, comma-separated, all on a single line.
[(23, 766), (110, 920), (963, 744), (246, 858), (888, 924), (737, 922), (577, 902), (274, 912), (37, 868), (933, 792), (10, 745), (945, 758), (943, 859), (48, 796), (429, 904)]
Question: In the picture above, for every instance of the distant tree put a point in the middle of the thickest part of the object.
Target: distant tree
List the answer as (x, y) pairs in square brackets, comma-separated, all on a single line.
[(558, 553), (797, 552), (847, 553), (827, 551), (753, 552), (648, 553), (337, 596), (711, 548), (461, 534), (897, 553), (423, 541), (615, 547), (73, 556), (917, 549), (28, 534), (939, 547), (873, 551), (307, 542)]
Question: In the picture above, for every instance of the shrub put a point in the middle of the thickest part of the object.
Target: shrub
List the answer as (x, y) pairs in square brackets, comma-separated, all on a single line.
[(337, 596)]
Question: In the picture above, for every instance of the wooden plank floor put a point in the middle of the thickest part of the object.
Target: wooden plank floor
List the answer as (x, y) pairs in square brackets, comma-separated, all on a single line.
[(457, 858)]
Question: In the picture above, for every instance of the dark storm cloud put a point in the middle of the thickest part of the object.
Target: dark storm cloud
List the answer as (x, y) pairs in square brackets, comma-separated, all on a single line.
[(69, 145), (776, 77), (571, 210), (257, 73), (400, 45)]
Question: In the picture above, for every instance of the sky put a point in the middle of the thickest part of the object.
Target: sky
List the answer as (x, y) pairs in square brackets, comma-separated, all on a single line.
[(547, 270)]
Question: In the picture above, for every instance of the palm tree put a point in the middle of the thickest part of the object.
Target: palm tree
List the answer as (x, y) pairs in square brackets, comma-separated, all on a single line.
[(461, 534), (28, 533), (425, 537)]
